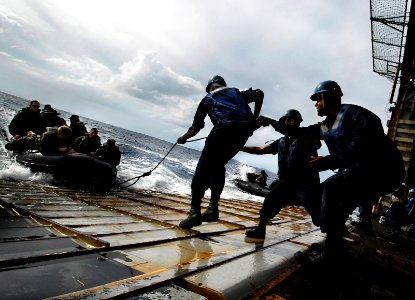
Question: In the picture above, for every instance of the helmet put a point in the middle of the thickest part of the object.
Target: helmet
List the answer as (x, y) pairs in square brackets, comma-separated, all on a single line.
[(328, 86), (292, 113), (215, 79)]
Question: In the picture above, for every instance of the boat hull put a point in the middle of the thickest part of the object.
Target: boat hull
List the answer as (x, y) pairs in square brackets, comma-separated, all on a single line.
[(75, 168), (251, 187)]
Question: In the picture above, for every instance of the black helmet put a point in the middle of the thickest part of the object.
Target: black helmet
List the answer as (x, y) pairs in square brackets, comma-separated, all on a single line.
[(215, 79), (292, 113), (328, 86)]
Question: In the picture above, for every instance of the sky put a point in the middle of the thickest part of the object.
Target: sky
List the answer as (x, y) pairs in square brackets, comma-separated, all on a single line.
[(143, 64)]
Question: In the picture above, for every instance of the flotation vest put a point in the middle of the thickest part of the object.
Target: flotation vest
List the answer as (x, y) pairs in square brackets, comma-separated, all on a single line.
[(333, 136), (229, 106)]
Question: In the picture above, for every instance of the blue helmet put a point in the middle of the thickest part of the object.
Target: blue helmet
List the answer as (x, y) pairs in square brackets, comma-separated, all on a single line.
[(328, 87), (215, 79)]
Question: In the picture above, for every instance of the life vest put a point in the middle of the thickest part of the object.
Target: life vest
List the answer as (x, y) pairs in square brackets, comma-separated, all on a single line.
[(334, 136), (229, 106)]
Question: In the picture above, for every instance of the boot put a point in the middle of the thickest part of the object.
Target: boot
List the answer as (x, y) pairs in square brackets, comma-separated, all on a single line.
[(256, 233), (193, 219), (365, 224), (212, 213), (335, 248)]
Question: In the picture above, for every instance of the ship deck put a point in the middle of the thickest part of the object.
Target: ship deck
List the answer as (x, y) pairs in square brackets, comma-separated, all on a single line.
[(63, 243)]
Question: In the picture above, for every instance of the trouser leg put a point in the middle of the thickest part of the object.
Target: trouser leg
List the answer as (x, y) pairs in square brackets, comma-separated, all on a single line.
[(274, 201), (311, 199), (223, 145), (334, 211), (341, 194), (216, 186), (199, 186), (201, 182), (220, 146)]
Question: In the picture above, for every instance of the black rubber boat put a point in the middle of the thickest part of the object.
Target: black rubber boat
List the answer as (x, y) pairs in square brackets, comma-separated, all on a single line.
[(251, 187), (75, 168)]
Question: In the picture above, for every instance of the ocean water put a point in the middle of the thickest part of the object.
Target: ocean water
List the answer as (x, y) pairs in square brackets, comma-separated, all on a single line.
[(140, 154)]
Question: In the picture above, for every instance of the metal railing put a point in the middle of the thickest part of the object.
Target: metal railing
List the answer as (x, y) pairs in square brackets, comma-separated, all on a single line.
[(389, 24)]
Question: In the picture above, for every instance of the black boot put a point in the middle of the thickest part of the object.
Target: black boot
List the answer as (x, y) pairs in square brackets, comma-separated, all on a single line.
[(335, 249), (257, 234), (194, 219), (212, 213), (365, 224)]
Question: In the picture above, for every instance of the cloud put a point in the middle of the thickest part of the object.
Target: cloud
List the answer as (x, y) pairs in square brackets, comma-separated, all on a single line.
[(83, 71), (8, 21), (146, 78), (143, 78), (150, 60), (70, 60)]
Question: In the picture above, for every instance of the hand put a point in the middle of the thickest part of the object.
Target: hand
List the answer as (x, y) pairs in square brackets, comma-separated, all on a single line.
[(264, 121), (182, 139), (259, 93), (319, 163), (192, 131), (70, 151)]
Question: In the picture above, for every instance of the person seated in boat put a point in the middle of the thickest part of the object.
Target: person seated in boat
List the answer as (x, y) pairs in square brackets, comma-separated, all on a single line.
[(27, 121), (78, 128), (261, 180), (298, 183), (57, 142), (25, 143), (251, 176), (109, 152), (88, 143), (51, 117)]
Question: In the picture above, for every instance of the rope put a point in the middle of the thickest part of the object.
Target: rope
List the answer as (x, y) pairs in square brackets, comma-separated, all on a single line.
[(137, 178), (196, 139)]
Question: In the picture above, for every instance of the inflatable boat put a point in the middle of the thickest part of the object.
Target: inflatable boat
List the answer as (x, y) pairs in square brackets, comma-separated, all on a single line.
[(75, 168), (251, 187)]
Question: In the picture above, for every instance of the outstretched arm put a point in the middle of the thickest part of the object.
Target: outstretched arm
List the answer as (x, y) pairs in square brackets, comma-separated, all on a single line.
[(266, 121), (259, 99), (257, 150)]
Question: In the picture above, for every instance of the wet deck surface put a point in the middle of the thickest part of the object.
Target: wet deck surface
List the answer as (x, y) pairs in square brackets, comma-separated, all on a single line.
[(61, 243), (379, 265), (56, 242)]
